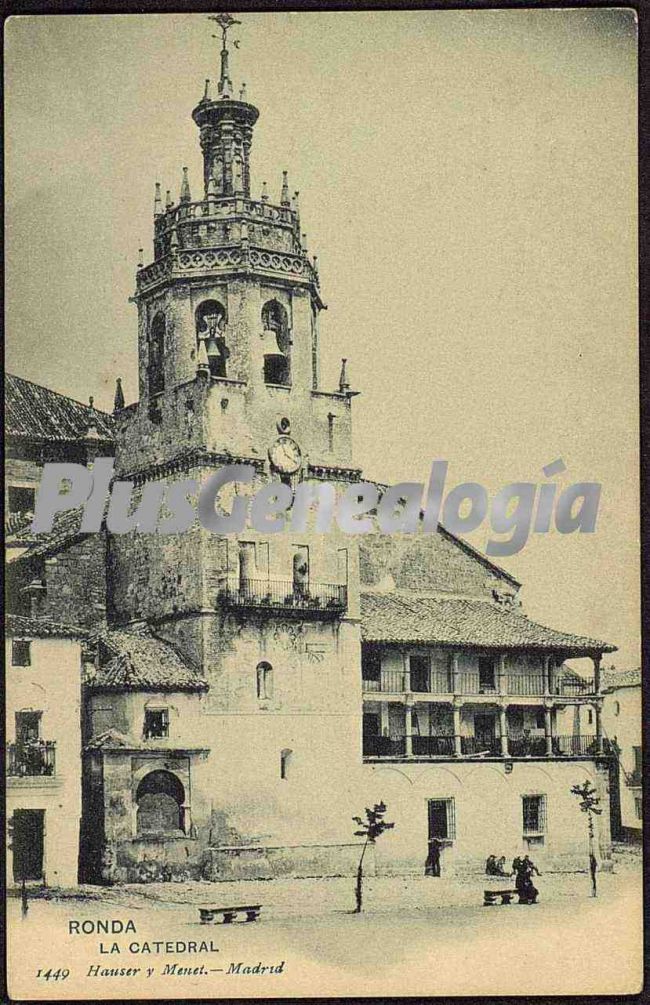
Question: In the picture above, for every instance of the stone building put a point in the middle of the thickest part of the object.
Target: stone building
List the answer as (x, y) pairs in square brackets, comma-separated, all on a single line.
[(247, 694), (43, 728), (623, 724)]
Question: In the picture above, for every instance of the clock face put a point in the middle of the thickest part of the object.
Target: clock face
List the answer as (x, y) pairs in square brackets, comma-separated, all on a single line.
[(285, 455)]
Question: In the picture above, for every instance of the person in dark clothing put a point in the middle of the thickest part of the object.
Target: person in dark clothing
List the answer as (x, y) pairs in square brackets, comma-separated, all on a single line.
[(528, 892), (491, 865), (432, 865)]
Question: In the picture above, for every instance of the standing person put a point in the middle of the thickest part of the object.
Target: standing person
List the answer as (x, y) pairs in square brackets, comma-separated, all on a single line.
[(528, 892), (432, 865)]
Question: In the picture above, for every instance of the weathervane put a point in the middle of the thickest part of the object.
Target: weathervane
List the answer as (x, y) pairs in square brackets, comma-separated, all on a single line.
[(225, 22)]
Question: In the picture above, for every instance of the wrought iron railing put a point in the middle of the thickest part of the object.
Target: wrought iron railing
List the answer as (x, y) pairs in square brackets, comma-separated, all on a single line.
[(480, 745), (574, 688), (576, 746), (384, 746), (527, 746), (284, 594), (31, 759), (469, 682), (433, 746)]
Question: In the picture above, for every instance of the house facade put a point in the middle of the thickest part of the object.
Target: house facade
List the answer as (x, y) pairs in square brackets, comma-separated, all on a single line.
[(43, 757), (622, 722), (247, 694)]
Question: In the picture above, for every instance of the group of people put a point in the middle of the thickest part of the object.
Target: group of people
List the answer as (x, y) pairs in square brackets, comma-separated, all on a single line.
[(522, 869)]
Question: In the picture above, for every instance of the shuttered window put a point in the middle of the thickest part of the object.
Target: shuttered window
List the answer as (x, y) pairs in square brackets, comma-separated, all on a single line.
[(534, 814)]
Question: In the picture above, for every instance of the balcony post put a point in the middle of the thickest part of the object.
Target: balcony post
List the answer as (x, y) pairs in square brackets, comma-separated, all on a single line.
[(599, 727), (408, 728), (502, 674), (597, 681), (455, 680), (548, 735), (383, 714), (503, 729), (548, 674), (456, 714)]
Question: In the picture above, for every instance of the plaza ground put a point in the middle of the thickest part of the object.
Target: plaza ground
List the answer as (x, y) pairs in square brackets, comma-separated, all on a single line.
[(416, 935)]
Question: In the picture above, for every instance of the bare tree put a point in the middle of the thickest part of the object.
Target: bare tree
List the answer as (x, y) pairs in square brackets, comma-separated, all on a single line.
[(370, 828), (589, 804)]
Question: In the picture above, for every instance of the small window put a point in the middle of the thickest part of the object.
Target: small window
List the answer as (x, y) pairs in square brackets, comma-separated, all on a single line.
[(539, 719), (264, 681), (156, 723), (486, 677), (534, 815), (286, 757), (20, 500), (442, 820), (21, 653)]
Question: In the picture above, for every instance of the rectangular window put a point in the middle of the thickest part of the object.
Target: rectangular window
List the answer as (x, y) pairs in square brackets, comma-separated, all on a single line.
[(370, 663), (156, 723), (419, 672), (442, 820), (21, 653), (20, 500), (534, 815), (638, 807), (486, 679), (638, 763), (28, 727)]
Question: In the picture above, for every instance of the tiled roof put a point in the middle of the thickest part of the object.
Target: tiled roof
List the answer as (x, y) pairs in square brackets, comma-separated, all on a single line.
[(611, 679), (393, 617), (64, 531), (38, 413), (137, 660), (18, 626)]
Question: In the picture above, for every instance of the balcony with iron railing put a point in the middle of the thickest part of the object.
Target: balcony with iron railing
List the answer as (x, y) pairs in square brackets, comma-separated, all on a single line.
[(449, 746), (31, 760), (474, 683), (319, 600)]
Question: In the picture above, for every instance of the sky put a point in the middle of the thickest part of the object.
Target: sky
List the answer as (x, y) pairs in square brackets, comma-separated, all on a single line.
[(468, 181)]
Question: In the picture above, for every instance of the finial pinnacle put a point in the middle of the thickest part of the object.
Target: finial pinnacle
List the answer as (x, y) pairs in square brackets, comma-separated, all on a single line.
[(118, 402), (157, 202), (185, 195), (225, 22)]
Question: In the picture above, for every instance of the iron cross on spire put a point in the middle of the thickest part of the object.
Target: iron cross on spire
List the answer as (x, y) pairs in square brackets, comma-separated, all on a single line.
[(225, 22)]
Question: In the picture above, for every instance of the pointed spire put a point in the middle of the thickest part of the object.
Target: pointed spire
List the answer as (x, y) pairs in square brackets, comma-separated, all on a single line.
[(168, 200), (207, 94), (202, 362), (118, 401), (344, 383), (185, 195), (304, 245), (91, 401), (242, 93), (295, 205), (284, 198), (157, 202), (317, 277), (140, 258), (174, 239), (265, 192)]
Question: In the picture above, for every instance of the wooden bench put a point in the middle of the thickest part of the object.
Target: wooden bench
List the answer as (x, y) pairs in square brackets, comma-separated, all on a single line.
[(490, 897), (226, 915)]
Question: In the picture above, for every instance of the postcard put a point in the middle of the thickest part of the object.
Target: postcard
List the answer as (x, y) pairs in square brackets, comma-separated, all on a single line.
[(322, 504)]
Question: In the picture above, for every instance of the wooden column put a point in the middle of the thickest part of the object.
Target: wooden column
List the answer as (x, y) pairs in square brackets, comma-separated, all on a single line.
[(548, 735), (456, 714), (455, 682), (503, 728), (599, 727), (408, 728), (502, 673)]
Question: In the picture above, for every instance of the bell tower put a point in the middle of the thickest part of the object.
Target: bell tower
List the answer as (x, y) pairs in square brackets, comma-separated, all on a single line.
[(229, 309)]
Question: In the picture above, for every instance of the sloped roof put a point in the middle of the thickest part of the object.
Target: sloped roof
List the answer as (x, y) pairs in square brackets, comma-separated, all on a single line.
[(395, 617), (38, 413), (137, 660), (18, 626), (65, 530), (611, 679)]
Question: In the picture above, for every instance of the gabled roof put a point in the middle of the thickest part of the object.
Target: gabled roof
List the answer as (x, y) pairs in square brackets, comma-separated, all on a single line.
[(137, 660), (612, 679), (37, 413), (399, 617), (16, 626)]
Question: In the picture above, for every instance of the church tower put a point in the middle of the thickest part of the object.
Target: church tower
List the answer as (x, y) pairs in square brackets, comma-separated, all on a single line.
[(228, 346)]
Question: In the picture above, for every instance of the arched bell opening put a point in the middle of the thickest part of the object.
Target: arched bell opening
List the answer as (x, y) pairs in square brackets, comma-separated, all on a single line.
[(210, 318), (277, 344)]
